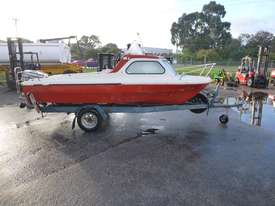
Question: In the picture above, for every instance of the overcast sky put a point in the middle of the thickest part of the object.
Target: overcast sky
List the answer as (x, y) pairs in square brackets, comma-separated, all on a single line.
[(118, 21)]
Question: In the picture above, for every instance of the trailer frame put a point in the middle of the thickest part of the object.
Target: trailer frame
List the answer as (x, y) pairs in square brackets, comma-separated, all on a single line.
[(99, 113)]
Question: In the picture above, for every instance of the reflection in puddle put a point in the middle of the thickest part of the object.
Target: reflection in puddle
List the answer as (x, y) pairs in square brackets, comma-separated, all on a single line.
[(258, 109)]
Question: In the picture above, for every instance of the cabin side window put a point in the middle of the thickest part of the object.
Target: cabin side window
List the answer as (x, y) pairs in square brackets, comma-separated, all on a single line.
[(145, 67)]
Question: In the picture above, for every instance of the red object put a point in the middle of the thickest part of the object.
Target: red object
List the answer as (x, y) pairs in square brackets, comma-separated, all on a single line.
[(244, 76), (118, 94), (273, 73), (114, 93), (126, 58)]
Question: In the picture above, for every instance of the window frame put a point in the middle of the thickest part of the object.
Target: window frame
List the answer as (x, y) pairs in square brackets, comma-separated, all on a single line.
[(126, 69)]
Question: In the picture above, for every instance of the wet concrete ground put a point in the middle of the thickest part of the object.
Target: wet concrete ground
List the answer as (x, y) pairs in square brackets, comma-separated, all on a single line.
[(169, 158)]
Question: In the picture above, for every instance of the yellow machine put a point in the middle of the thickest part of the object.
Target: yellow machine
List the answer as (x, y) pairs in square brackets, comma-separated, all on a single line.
[(3, 68), (31, 61), (3, 71), (50, 69), (60, 68)]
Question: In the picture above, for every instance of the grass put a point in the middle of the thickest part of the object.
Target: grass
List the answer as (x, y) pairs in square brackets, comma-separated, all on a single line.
[(197, 71), (230, 69), (2, 77), (85, 70)]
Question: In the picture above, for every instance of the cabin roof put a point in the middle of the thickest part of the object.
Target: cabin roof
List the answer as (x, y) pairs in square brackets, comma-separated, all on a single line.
[(127, 57)]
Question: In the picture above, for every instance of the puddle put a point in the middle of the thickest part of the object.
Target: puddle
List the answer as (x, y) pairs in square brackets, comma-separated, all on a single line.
[(149, 131), (26, 123), (60, 139), (258, 109)]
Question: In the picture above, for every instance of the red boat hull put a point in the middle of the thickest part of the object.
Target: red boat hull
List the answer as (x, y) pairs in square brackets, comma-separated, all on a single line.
[(117, 94)]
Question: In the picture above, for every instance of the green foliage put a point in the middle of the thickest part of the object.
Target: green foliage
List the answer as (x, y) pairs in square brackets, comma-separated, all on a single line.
[(86, 47), (209, 54), (89, 42), (250, 42), (185, 56), (202, 30), (214, 72), (208, 37), (2, 77), (214, 9), (272, 56), (110, 48), (261, 38), (89, 46), (233, 51), (273, 44)]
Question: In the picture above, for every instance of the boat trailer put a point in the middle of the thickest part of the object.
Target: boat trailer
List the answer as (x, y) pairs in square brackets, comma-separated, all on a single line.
[(90, 117)]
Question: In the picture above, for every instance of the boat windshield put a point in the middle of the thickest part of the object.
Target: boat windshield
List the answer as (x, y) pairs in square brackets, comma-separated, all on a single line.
[(169, 66)]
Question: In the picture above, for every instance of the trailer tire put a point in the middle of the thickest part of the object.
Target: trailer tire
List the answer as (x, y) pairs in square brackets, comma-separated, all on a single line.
[(250, 82), (89, 120), (223, 119), (199, 99)]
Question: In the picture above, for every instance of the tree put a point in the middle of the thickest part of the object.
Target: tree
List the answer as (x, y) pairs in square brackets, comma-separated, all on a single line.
[(86, 47), (185, 56), (175, 32), (76, 52), (272, 56), (273, 44), (89, 42), (110, 48), (190, 32), (218, 30), (250, 42), (233, 51), (202, 30), (213, 9), (207, 54), (244, 38), (89, 46), (261, 38)]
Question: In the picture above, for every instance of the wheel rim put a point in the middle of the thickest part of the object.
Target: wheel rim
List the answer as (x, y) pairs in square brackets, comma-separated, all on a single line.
[(223, 119), (89, 120)]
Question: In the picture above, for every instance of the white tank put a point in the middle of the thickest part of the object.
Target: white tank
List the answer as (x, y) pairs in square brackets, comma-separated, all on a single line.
[(47, 52)]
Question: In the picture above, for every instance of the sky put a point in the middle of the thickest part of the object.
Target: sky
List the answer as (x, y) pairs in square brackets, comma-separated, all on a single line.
[(119, 21)]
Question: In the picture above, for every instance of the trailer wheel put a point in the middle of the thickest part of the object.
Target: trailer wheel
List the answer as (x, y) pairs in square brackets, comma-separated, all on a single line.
[(89, 120), (223, 119), (199, 99), (250, 82)]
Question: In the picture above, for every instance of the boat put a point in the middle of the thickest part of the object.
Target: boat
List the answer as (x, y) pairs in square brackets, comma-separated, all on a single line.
[(137, 79)]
